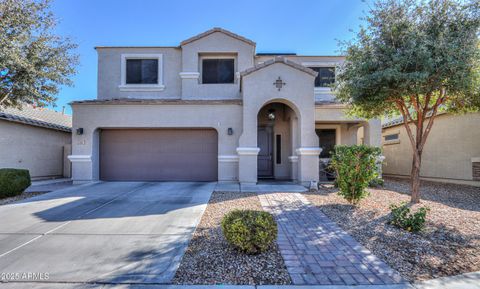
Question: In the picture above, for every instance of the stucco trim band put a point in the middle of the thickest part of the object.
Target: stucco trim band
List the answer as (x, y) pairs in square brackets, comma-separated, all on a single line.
[(80, 158), (228, 159), (308, 151), (189, 75), (143, 101), (248, 151), (293, 159), (143, 87)]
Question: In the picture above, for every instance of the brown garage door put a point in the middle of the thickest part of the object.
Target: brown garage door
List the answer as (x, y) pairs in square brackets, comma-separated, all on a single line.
[(158, 155)]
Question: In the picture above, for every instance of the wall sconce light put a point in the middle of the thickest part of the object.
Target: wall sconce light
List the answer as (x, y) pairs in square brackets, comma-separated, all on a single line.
[(271, 114), (80, 131), (230, 131)]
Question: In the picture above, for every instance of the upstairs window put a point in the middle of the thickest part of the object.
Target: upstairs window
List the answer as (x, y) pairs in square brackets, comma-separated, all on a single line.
[(325, 77), (218, 70), (141, 71)]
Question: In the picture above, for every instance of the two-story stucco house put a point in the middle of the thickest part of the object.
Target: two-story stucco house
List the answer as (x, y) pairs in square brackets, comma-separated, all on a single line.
[(211, 109)]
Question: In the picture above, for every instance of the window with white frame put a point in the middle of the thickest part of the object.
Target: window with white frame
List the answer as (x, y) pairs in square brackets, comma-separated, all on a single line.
[(142, 72)]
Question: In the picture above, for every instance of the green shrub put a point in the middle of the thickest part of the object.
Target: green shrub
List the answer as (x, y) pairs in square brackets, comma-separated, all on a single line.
[(377, 182), (355, 167), (249, 231), (403, 218), (13, 182)]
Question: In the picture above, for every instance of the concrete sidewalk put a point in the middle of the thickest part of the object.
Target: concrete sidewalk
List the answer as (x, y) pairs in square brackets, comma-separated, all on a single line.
[(464, 281), (45, 186)]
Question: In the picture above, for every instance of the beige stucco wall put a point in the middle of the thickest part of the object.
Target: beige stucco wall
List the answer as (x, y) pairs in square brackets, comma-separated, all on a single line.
[(370, 133), (94, 117), (182, 79), (452, 143), (321, 94), (214, 44), (109, 73), (258, 90), (37, 149)]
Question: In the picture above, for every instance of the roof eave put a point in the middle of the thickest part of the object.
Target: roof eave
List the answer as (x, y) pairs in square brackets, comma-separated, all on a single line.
[(279, 59), (214, 30)]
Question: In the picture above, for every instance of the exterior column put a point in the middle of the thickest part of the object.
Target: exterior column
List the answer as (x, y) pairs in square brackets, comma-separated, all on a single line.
[(81, 168), (372, 136), (247, 165), (308, 163), (372, 133), (85, 156), (294, 167)]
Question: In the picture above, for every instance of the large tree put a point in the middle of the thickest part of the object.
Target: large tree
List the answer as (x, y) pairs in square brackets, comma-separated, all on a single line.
[(413, 59), (34, 61)]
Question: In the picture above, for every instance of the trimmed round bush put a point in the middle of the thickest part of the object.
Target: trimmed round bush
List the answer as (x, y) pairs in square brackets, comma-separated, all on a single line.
[(249, 231), (13, 182)]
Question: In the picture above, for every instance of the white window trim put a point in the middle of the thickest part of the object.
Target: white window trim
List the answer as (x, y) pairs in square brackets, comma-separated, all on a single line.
[(141, 87), (322, 90), (220, 55)]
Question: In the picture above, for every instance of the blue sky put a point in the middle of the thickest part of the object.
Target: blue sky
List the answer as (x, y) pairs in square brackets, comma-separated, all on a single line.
[(306, 27)]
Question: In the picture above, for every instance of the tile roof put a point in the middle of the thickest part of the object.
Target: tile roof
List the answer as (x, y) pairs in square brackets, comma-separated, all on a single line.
[(399, 120), (279, 59), (157, 101), (38, 116), (392, 122), (217, 29)]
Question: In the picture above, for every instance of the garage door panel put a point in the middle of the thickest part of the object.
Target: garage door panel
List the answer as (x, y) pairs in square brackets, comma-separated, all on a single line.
[(158, 154)]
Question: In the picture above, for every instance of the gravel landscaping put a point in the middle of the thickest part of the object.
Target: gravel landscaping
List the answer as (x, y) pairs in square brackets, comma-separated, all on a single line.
[(210, 260), (22, 196), (449, 245)]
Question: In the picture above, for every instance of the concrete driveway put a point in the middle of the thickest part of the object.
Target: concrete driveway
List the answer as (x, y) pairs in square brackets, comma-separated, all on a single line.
[(117, 232)]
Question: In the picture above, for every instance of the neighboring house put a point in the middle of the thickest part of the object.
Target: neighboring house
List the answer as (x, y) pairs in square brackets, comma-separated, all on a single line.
[(210, 109), (451, 153), (37, 139)]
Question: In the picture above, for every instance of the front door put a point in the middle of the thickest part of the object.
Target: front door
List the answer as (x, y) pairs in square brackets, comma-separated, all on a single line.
[(265, 156)]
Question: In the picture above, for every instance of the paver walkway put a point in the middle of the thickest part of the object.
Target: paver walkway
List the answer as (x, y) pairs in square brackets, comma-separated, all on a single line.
[(317, 251)]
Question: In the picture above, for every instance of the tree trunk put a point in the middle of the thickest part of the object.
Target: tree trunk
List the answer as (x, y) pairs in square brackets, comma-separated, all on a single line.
[(415, 177)]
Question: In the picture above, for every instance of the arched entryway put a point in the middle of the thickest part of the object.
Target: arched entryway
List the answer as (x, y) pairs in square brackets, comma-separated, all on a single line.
[(277, 138)]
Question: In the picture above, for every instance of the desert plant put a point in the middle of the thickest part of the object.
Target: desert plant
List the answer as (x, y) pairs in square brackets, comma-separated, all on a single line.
[(355, 167), (13, 182), (249, 231), (402, 217), (377, 182)]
